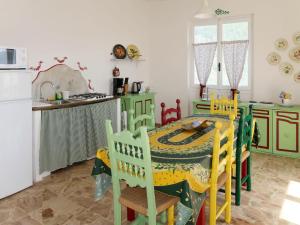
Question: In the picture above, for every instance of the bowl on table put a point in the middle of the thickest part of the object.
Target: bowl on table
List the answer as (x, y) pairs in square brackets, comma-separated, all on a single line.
[(197, 125)]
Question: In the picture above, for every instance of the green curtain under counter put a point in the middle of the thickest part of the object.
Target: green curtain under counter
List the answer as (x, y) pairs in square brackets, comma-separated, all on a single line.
[(74, 134)]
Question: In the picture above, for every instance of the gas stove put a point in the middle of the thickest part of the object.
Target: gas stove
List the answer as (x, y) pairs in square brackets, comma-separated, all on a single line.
[(74, 99), (90, 96)]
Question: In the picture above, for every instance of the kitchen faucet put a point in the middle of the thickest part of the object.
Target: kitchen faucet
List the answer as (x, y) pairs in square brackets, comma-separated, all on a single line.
[(41, 86)]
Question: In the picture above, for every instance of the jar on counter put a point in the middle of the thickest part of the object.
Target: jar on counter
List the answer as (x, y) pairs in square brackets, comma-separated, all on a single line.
[(58, 95)]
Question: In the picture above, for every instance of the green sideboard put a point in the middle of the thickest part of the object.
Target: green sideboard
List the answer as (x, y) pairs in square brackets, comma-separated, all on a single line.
[(203, 106), (279, 127), (140, 103)]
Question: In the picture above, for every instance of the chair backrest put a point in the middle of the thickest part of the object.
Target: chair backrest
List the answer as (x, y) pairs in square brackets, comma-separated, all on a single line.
[(223, 145), (165, 119), (224, 106), (246, 125), (133, 123), (131, 161)]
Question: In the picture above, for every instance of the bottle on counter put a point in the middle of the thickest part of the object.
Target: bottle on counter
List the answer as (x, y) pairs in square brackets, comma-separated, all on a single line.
[(58, 95), (125, 86)]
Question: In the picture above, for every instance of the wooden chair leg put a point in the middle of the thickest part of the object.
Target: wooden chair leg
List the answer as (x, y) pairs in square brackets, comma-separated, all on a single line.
[(130, 215), (238, 183), (117, 212), (213, 206), (228, 200), (201, 217), (244, 172), (249, 173), (171, 215), (151, 217)]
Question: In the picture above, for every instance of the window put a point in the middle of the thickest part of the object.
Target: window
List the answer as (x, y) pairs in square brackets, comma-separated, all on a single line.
[(223, 29)]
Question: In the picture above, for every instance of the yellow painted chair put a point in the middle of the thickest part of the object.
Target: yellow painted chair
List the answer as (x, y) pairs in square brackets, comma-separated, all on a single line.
[(220, 173), (224, 106)]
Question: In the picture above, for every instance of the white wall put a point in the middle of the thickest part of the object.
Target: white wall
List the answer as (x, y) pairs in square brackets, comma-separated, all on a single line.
[(169, 46), (87, 30), (84, 31)]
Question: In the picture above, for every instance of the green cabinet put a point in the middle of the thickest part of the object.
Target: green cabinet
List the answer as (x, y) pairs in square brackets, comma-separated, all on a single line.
[(279, 127), (140, 103), (286, 132), (263, 118)]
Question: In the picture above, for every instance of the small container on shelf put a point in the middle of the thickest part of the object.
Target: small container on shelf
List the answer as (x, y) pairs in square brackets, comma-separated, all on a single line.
[(58, 95), (285, 98)]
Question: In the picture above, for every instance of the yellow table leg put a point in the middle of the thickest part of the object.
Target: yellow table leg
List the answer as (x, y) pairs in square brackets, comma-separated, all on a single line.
[(171, 215)]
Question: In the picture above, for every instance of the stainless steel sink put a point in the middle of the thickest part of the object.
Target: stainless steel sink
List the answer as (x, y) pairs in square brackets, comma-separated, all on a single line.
[(57, 102)]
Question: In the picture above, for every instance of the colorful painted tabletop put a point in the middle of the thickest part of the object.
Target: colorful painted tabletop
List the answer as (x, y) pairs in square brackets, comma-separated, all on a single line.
[(181, 161)]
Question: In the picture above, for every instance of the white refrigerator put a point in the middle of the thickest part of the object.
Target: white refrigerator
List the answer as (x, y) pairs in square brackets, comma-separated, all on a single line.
[(15, 131)]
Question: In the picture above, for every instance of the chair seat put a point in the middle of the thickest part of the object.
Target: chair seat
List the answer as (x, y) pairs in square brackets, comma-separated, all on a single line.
[(245, 155), (221, 181), (136, 199)]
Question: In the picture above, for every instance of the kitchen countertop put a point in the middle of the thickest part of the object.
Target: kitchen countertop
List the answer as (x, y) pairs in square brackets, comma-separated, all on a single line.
[(274, 106), (38, 106)]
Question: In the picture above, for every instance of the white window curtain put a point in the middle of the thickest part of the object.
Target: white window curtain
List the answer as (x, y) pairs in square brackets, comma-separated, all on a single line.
[(204, 57), (234, 58)]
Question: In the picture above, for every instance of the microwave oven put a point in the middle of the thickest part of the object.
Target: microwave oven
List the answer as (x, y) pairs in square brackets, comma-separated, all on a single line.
[(13, 58)]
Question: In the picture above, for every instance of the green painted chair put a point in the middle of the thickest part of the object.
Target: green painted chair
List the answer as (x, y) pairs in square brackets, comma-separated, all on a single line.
[(141, 120), (243, 153), (131, 162)]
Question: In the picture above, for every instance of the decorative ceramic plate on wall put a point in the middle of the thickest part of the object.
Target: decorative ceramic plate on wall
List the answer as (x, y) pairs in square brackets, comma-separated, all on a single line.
[(297, 77), (296, 38), (295, 54), (286, 68), (274, 58), (133, 52), (281, 44), (119, 51)]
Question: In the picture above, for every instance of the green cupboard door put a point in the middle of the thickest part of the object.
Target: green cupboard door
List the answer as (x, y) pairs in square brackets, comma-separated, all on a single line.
[(286, 133), (139, 110), (148, 102), (264, 121)]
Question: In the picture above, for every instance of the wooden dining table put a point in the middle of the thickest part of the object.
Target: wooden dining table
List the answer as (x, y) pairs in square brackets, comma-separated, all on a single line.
[(181, 160)]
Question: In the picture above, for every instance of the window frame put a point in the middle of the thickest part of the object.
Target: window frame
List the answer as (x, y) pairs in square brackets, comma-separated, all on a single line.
[(219, 21)]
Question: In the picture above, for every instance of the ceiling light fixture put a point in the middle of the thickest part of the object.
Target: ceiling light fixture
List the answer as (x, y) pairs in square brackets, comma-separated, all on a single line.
[(204, 12)]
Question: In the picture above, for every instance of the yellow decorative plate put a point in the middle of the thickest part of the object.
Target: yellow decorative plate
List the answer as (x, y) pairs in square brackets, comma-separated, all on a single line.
[(133, 52), (286, 68), (281, 44), (274, 58), (295, 54), (296, 38)]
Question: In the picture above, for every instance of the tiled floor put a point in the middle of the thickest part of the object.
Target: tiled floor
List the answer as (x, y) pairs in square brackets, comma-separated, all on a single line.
[(66, 198)]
